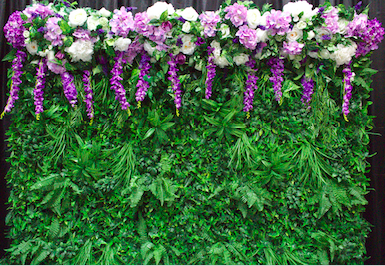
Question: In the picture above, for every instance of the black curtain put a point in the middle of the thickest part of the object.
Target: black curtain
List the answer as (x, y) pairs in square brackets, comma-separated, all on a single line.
[(375, 210)]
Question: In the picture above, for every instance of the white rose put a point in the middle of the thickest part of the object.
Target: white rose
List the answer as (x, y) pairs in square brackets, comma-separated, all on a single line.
[(217, 48), (342, 25), (51, 55), (310, 35), (148, 48), (225, 30), (241, 59), (262, 35), (43, 53), (104, 23), (121, 44), (294, 34), (301, 25), (92, 23), (295, 8), (313, 54), (221, 61), (32, 48), (156, 10), (188, 46), (81, 50), (104, 12), (189, 14), (26, 34), (77, 17), (322, 32), (186, 27), (253, 18), (343, 54), (263, 20), (324, 54)]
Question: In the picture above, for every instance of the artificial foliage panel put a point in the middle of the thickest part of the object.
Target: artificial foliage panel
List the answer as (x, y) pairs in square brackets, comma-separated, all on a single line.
[(168, 137)]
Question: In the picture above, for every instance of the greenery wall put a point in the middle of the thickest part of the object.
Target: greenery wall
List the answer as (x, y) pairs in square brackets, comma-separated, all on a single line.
[(284, 184)]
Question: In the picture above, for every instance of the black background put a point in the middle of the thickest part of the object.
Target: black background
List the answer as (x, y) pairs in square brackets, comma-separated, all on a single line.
[(376, 208)]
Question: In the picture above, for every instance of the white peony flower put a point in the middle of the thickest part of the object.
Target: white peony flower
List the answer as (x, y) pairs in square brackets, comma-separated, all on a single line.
[(342, 26), (324, 54), (188, 46), (295, 8), (343, 54), (262, 35), (295, 34), (26, 34), (148, 48), (301, 25), (263, 20), (189, 14), (156, 10), (32, 48), (310, 35), (241, 59), (253, 18), (186, 27), (92, 23), (121, 44), (221, 61), (225, 30), (81, 50), (104, 12), (77, 17)]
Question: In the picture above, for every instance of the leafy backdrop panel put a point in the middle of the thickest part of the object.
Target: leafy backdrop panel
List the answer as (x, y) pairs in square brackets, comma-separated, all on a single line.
[(170, 137)]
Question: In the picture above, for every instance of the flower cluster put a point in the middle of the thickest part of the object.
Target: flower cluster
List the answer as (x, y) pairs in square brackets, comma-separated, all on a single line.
[(175, 82), (89, 93), (277, 67), (122, 22), (143, 85), (210, 72), (308, 90), (14, 30), (209, 21), (251, 84), (116, 85), (39, 87), (69, 88), (348, 78), (237, 14)]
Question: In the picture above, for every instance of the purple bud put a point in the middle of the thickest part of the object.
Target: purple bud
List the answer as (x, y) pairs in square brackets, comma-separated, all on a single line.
[(199, 41), (180, 58), (58, 15), (179, 42), (358, 6), (262, 27), (65, 3), (326, 37), (321, 10), (181, 19), (131, 8), (59, 55), (42, 29), (235, 40), (100, 31)]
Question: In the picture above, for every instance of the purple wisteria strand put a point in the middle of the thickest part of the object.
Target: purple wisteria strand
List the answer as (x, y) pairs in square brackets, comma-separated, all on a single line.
[(210, 72), (277, 68), (116, 85), (39, 87), (251, 84), (54, 33), (348, 78), (175, 82), (69, 88), (308, 90), (142, 84), (17, 65), (89, 94)]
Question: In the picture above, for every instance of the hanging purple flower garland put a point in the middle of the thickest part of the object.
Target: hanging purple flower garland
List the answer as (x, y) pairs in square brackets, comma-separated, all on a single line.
[(89, 94), (308, 90), (277, 68), (116, 85), (210, 72), (38, 92), (17, 65), (69, 88), (175, 82), (143, 85), (251, 83), (348, 78)]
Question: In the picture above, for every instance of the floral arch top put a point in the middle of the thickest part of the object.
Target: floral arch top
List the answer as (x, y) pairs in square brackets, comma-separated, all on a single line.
[(65, 39)]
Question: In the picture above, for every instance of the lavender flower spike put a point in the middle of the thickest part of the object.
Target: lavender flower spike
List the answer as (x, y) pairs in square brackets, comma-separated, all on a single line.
[(69, 88), (39, 87), (143, 85), (348, 78), (88, 91), (308, 90), (251, 83), (175, 82), (277, 68), (17, 65), (116, 79), (210, 72)]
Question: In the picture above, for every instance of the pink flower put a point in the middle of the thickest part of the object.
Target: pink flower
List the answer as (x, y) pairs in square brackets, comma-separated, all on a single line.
[(141, 24), (331, 20), (54, 33), (278, 22), (122, 22), (248, 37), (293, 48), (237, 14), (209, 21)]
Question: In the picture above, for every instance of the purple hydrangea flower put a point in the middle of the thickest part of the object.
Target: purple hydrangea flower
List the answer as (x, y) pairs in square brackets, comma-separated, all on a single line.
[(38, 10), (237, 14), (55, 67), (331, 20), (292, 48), (348, 78), (13, 30), (17, 66), (122, 22), (251, 85), (116, 85), (141, 24), (308, 90), (209, 21), (248, 37), (82, 34), (142, 84), (54, 33), (134, 48), (175, 82), (210, 72), (278, 22), (39, 87), (89, 93), (277, 68), (69, 88)]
